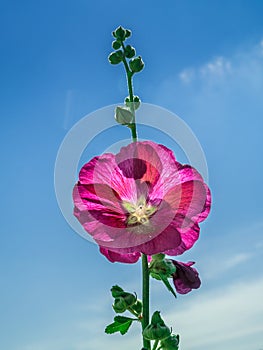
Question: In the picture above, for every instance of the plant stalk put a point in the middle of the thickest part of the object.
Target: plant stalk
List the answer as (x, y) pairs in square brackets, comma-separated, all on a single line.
[(145, 299)]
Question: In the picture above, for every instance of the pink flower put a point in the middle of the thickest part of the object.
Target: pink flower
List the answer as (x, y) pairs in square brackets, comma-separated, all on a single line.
[(186, 277), (141, 200)]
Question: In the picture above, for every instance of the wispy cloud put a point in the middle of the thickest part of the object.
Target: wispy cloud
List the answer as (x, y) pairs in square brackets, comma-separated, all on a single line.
[(229, 318), (219, 67), (223, 67)]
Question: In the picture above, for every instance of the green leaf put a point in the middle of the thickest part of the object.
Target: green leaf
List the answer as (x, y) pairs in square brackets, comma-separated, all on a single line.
[(123, 319), (121, 324)]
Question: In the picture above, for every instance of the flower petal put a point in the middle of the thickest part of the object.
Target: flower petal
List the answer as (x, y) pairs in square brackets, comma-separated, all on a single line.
[(188, 198), (189, 235), (140, 160), (112, 256), (104, 170)]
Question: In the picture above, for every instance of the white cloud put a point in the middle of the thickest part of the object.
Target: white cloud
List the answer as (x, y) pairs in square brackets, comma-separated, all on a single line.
[(217, 68), (229, 318), (187, 75), (222, 67)]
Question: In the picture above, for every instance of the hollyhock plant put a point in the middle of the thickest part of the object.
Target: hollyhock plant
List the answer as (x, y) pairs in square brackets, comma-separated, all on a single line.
[(142, 204)]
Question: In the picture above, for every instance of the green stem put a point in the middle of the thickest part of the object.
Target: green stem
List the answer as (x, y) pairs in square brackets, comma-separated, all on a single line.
[(134, 313), (145, 299), (129, 75)]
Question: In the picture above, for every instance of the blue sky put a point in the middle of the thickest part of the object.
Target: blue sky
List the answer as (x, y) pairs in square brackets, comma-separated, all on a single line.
[(204, 62)]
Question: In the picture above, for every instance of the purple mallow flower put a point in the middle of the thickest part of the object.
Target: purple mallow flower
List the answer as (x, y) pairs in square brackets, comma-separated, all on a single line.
[(141, 200), (185, 277)]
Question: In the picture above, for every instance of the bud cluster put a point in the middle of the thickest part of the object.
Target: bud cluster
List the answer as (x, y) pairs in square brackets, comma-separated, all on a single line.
[(122, 52)]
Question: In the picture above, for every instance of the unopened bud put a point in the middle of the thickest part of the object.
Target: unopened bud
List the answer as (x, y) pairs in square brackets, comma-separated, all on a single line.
[(136, 64), (164, 268), (119, 305), (123, 115), (129, 51), (156, 330), (116, 291), (116, 57), (116, 44), (119, 33), (133, 105)]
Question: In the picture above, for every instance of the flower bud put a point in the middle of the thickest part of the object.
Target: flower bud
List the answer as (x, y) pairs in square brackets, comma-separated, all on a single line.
[(116, 57), (116, 291), (123, 300), (135, 104), (120, 33), (119, 305), (170, 343), (123, 115), (164, 268), (136, 64), (156, 330), (129, 51), (116, 44)]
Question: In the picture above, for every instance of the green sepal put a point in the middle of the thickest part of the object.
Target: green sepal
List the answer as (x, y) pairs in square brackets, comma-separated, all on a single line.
[(129, 51), (170, 343), (123, 116), (116, 57), (155, 276), (121, 324), (168, 285), (136, 64), (116, 45), (137, 307)]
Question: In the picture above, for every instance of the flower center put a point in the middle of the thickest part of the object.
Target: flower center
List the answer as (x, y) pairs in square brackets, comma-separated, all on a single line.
[(140, 212)]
